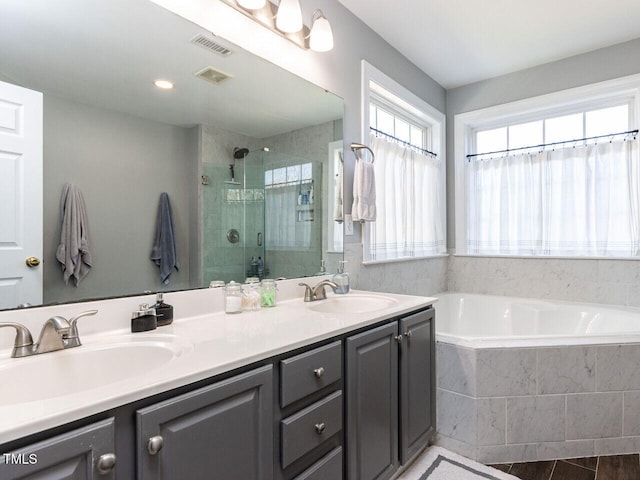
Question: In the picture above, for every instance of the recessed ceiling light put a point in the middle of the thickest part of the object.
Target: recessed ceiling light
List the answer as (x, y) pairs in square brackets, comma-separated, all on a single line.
[(163, 84)]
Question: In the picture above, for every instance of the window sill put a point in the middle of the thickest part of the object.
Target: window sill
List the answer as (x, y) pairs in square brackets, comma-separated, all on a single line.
[(404, 259)]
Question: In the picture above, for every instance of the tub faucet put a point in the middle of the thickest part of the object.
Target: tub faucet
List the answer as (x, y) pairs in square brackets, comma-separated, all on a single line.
[(317, 292)]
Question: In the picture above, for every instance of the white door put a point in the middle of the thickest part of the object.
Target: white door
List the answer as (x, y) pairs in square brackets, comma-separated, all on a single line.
[(20, 195)]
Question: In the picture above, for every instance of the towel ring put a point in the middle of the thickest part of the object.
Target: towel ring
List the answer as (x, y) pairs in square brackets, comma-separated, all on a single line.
[(359, 146)]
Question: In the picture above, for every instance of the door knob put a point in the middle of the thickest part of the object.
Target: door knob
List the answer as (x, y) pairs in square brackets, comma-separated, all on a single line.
[(32, 262)]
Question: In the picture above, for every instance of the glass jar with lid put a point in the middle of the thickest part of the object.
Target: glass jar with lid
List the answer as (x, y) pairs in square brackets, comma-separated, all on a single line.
[(251, 295), (233, 298), (268, 293)]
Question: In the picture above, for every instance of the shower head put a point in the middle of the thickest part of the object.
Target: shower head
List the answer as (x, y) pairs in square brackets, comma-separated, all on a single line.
[(240, 153)]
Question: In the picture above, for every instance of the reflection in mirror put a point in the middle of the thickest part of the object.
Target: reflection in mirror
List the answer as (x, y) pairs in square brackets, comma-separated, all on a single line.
[(266, 210)]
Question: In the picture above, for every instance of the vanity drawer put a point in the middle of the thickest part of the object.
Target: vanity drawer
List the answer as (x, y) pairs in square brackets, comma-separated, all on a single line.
[(310, 371), (328, 467), (309, 427)]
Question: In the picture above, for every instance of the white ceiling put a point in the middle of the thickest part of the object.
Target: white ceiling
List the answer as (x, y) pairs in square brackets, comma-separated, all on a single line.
[(458, 42), (107, 54)]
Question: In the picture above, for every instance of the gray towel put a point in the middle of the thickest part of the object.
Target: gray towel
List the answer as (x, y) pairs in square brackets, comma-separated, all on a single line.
[(73, 251), (165, 251)]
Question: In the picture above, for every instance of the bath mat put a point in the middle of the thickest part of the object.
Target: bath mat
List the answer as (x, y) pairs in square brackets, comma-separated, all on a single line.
[(436, 463)]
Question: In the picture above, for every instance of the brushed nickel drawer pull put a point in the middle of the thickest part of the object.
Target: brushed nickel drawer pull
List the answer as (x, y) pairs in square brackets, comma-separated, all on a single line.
[(319, 372), (106, 463), (320, 427), (155, 444)]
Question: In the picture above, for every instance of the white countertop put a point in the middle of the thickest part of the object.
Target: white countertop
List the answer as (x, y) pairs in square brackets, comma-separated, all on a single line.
[(210, 344)]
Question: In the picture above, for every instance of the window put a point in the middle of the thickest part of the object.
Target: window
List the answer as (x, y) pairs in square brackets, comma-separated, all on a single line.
[(559, 129), (289, 201), (407, 138), (557, 175)]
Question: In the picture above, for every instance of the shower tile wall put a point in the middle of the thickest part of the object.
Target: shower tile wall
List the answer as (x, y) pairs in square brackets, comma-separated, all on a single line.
[(311, 144), (220, 259), (595, 281)]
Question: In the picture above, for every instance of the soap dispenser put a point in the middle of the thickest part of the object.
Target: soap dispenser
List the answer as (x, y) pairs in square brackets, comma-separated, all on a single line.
[(164, 311), (144, 319), (341, 278)]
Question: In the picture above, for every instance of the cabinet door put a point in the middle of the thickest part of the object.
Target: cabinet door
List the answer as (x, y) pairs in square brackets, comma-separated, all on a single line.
[(220, 431), (83, 454), (417, 383), (372, 403)]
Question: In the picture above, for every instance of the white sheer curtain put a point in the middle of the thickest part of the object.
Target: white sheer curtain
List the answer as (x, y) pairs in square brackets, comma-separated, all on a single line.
[(410, 219), (581, 201), (284, 231)]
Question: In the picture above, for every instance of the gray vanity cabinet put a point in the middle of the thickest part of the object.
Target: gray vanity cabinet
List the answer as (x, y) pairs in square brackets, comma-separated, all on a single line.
[(372, 403), (223, 430), (83, 454), (417, 383), (390, 389)]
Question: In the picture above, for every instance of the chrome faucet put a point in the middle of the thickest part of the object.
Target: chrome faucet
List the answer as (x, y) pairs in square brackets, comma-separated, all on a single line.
[(317, 292), (57, 333)]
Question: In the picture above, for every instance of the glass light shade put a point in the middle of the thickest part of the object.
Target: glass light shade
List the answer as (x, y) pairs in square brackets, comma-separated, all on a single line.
[(289, 16), (252, 4), (321, 36)]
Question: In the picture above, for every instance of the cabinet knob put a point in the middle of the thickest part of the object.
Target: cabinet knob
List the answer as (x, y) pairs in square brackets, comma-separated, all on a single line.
[(106, 463), (320, 427), (408, 334), (398, 338), (155, 444), (319, 372)]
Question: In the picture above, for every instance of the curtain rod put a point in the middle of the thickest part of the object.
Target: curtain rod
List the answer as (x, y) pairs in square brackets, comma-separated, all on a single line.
[(544, 145), (380, 133)]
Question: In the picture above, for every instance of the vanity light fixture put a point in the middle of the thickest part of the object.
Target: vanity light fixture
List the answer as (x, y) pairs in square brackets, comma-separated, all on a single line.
[(285, 20), (289, 16), (321, 36), (163, 84), (252, 4)]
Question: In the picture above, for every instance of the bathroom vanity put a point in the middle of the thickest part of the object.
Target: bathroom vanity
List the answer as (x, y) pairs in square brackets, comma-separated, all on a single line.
[(339, 388)]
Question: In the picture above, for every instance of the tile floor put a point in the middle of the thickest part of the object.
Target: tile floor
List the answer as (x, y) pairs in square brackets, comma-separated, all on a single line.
[(617, 467)]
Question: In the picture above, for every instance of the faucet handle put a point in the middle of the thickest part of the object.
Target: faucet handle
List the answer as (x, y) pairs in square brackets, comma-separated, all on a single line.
[(73, 340), (308, 293), (23, 341)]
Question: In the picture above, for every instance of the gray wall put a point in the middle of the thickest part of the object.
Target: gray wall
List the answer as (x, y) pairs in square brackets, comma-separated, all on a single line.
[(604, 281), (121, 164)]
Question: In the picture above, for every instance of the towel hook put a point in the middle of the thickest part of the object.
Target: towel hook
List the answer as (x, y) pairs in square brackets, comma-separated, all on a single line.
[(359, 146)]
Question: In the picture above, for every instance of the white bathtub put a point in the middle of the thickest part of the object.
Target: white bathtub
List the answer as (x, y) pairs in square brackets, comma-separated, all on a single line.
[(523, 380), (487, 321)]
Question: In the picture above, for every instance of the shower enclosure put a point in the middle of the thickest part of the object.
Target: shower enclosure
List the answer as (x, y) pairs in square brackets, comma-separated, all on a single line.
[(261, 218)]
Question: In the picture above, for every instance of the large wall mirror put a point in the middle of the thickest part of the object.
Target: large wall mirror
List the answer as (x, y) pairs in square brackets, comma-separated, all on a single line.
[(249, 154)]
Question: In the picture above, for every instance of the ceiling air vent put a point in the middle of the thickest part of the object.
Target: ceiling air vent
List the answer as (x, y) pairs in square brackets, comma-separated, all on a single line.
[(211, 45), (212, 75)]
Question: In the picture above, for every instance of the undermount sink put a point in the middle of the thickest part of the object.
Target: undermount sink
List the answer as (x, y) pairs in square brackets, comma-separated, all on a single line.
[(78, 369), (352, 303)]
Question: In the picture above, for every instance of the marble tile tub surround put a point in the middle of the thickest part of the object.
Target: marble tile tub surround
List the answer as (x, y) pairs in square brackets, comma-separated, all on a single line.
[(529, 404), (580, 280)]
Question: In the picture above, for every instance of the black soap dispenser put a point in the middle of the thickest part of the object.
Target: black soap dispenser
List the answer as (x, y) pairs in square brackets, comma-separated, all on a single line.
[(144, 319), (164, 311)]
